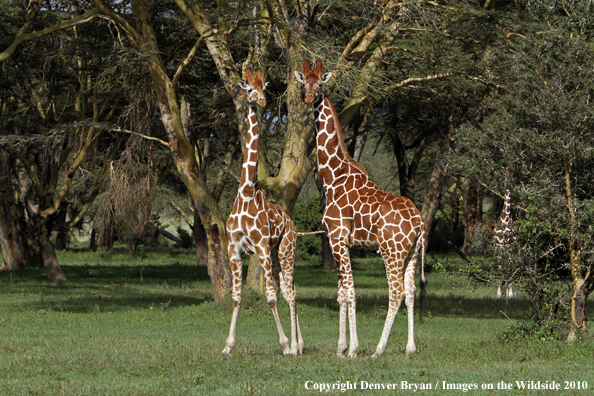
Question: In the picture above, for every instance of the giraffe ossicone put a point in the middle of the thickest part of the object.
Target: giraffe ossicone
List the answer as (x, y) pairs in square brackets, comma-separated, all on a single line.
[(256, 226), (358, 213)]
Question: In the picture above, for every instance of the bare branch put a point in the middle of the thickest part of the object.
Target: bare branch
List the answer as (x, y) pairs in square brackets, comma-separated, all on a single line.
[(419, 79), (21, 38), (188, 59), (182, 213), (154, 139), (227, 167)]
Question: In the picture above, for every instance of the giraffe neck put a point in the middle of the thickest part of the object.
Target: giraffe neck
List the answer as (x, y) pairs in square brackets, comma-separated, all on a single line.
[(249, 171), (334, 159), (505, 217)]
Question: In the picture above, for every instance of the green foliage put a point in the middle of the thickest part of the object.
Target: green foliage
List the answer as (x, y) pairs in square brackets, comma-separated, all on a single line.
[(535, 137), (307, 217), (187, 240)]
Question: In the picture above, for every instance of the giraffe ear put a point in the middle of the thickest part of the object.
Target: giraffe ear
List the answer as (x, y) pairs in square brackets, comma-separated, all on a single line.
[(326, 77), (265, 85), (299, 76), (244, 85)]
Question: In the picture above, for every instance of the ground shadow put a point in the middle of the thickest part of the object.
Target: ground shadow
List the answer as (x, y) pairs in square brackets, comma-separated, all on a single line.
[(486, 308)]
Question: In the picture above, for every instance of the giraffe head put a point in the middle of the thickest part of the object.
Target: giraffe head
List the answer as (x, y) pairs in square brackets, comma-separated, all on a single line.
[(312, 79), (255, 86)]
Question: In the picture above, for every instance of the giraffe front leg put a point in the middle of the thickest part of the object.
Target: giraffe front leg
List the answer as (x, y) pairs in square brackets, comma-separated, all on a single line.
[(235, 260), (346, 299), (342, 305), (352, 303)]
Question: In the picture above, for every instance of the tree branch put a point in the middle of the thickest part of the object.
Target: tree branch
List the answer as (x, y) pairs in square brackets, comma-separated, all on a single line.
[(21, 38), (227, 167), (182, 213), (154, 139)]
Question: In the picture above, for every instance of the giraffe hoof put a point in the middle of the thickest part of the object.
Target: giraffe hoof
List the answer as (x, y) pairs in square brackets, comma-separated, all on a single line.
[(375, 355), (410, 350), (226, 351)]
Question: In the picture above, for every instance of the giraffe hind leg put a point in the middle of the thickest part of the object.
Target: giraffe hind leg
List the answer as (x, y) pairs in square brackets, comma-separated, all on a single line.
[(394, 267), (409, 291), (235, 259), (286, 256), (266, 262)]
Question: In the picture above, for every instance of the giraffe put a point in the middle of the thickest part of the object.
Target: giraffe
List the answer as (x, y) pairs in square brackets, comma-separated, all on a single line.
[(256, 226), (358, 213), (504, 234)]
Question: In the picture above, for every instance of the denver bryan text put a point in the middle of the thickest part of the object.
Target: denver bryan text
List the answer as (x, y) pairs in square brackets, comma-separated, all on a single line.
[(364, 385)]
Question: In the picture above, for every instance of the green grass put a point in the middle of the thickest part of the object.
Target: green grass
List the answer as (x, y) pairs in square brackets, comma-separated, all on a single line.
[(146, 324)]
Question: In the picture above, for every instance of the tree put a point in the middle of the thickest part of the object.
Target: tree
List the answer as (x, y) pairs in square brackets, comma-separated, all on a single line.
[(49, 85), (541, 127)]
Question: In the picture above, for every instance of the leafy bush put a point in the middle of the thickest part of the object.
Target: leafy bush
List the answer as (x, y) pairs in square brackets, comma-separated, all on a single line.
[(187, 240), (307, 216)]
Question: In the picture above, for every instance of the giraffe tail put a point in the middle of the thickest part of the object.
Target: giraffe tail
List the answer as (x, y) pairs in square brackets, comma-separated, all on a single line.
[(300, 234), (423, 282)]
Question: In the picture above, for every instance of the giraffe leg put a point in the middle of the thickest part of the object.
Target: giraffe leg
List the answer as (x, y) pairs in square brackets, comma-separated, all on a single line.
[(342, 307), (346, 299), (286, 256), (409, 291), (264, 255), (235, 259), (511, 290), (394, 273)]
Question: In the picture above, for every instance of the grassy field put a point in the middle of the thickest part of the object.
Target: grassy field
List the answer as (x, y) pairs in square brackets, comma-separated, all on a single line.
[(146, 324)]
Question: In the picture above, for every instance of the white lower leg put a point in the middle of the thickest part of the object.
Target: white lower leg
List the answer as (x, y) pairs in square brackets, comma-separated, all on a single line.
[(294, 333), (232, 329), (283, 340), (410, 307), (300, 342), (392, 312), (342, 338), (354, 343)]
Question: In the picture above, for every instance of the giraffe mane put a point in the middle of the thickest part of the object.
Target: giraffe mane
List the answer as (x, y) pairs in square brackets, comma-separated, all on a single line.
[(341, 144)]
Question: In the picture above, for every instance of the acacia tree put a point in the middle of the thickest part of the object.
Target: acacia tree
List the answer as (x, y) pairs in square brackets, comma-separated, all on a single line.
[(361, 58), (49, 85), (541, 127)]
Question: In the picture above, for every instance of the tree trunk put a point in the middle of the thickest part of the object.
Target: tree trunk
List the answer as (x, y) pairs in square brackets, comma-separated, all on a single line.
[(200, 240), (93, 242), (50, 263), (16, 251), (579, 319), (471, 214), (583, 283), (328, 261), (433, 197), (254, 279)]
